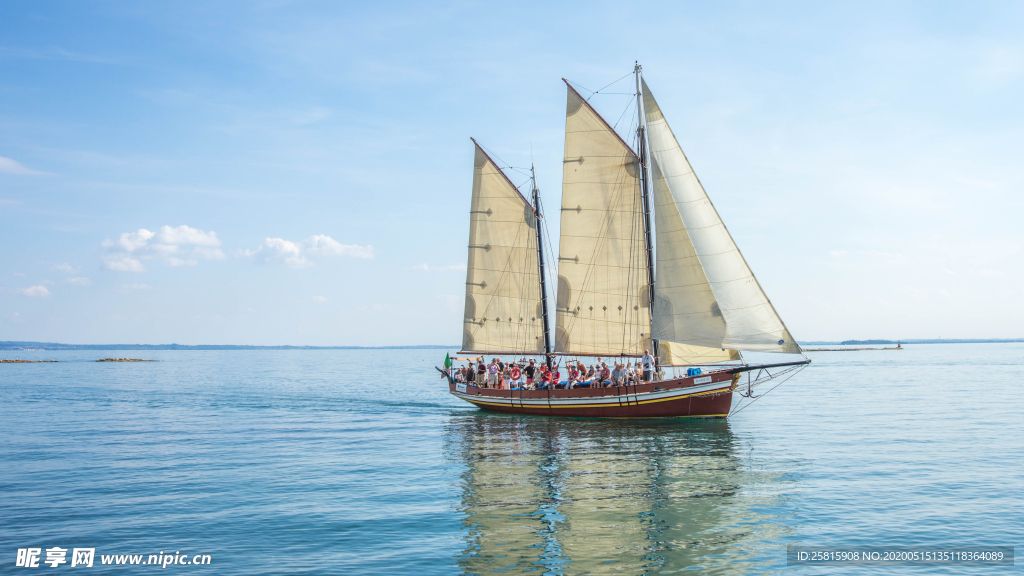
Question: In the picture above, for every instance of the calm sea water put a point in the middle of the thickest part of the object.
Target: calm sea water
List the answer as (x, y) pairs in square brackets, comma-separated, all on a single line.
[(359, 462)]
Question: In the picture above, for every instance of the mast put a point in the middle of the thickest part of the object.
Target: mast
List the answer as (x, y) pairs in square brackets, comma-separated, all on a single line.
[(641, 135), (540, 264)]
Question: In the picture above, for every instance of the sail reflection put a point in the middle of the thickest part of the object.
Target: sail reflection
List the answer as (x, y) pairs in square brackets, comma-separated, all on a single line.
[(557, 496)]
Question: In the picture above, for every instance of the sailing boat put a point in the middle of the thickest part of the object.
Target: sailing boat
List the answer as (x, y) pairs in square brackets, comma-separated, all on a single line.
[(679, 288)]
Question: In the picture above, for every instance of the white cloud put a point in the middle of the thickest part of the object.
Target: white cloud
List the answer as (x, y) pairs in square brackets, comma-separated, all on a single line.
[(122, 263), (66, 268), (80, 281), (208, 253), (10, 166), (283, 250), (293, 254), (327, 246), (163, 248), (428, 268), (165, 242), (131, 241), (172, 261), (19, 273), (186, 235), (35, 291), (320, 299)]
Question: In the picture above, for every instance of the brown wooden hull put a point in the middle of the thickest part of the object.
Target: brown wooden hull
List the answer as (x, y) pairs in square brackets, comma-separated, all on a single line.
[(705, 396)]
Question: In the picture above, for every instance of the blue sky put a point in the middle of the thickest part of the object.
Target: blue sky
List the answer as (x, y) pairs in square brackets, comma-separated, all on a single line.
[(301, 170)]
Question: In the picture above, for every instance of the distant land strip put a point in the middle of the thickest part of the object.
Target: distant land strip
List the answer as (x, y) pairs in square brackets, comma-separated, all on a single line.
[(13, 345), (58, 346), (916, 341)]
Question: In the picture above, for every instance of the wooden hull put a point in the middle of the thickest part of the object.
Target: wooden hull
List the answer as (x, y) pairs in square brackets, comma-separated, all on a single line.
[(705, 396)]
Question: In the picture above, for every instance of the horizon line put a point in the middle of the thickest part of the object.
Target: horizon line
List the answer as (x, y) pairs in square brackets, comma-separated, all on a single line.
[(21, 344)]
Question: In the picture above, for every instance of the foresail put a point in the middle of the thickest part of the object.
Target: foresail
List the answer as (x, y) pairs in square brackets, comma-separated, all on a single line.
[(602, 287), (503, 309), (705, 294)]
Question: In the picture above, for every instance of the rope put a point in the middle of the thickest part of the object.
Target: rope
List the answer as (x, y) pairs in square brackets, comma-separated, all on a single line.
[(621, 116), (793, 372), (592, 94)]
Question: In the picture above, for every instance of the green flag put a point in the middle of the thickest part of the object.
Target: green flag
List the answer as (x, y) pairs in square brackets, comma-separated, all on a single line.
[(447, 361)]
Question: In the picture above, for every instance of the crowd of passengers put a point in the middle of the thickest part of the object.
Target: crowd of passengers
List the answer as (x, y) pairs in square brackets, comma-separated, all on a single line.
[(528, 375)]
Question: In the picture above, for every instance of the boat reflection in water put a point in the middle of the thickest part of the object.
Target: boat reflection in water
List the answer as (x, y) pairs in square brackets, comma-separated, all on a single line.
[(613, 497)]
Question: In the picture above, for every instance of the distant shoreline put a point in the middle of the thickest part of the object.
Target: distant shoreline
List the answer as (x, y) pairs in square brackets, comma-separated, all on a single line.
[(16, 345), (58, 346), (914, 341)]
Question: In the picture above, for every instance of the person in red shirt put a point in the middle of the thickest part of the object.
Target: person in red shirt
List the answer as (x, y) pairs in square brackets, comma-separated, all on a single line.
[(574, 375)]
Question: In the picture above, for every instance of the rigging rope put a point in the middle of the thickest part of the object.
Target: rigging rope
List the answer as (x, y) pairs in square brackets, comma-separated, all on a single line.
[(792, 372), (628, 106)]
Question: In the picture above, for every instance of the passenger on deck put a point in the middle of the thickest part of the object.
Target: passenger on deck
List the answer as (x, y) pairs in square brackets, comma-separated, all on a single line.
[(492, 373), (648, 366), (502, 377), (617, 375), (606, 375), (481, 374), (531, 371), (556, 376), (574, 375)]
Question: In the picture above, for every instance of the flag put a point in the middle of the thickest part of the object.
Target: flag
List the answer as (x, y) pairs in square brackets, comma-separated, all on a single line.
[(447, 361)]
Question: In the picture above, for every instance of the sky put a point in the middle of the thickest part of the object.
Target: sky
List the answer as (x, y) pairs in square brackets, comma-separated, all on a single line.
[(299, 172)]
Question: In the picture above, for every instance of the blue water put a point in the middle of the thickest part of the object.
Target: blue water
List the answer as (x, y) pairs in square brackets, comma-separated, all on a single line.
[(359, 462)]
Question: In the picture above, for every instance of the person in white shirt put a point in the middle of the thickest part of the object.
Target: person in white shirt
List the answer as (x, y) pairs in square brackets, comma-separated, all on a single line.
[(647, 361)]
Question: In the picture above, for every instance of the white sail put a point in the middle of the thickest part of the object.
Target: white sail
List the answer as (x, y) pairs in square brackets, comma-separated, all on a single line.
[(676, 354), (503, 308), (602, 286), (705, 294)]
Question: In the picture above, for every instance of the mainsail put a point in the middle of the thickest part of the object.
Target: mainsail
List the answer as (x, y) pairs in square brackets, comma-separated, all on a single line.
[(601, 295), (705, 294), (503, 296)]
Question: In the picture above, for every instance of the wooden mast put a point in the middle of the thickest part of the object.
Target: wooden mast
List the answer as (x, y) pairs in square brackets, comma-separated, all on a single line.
[(641, 135), (540, 264)]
